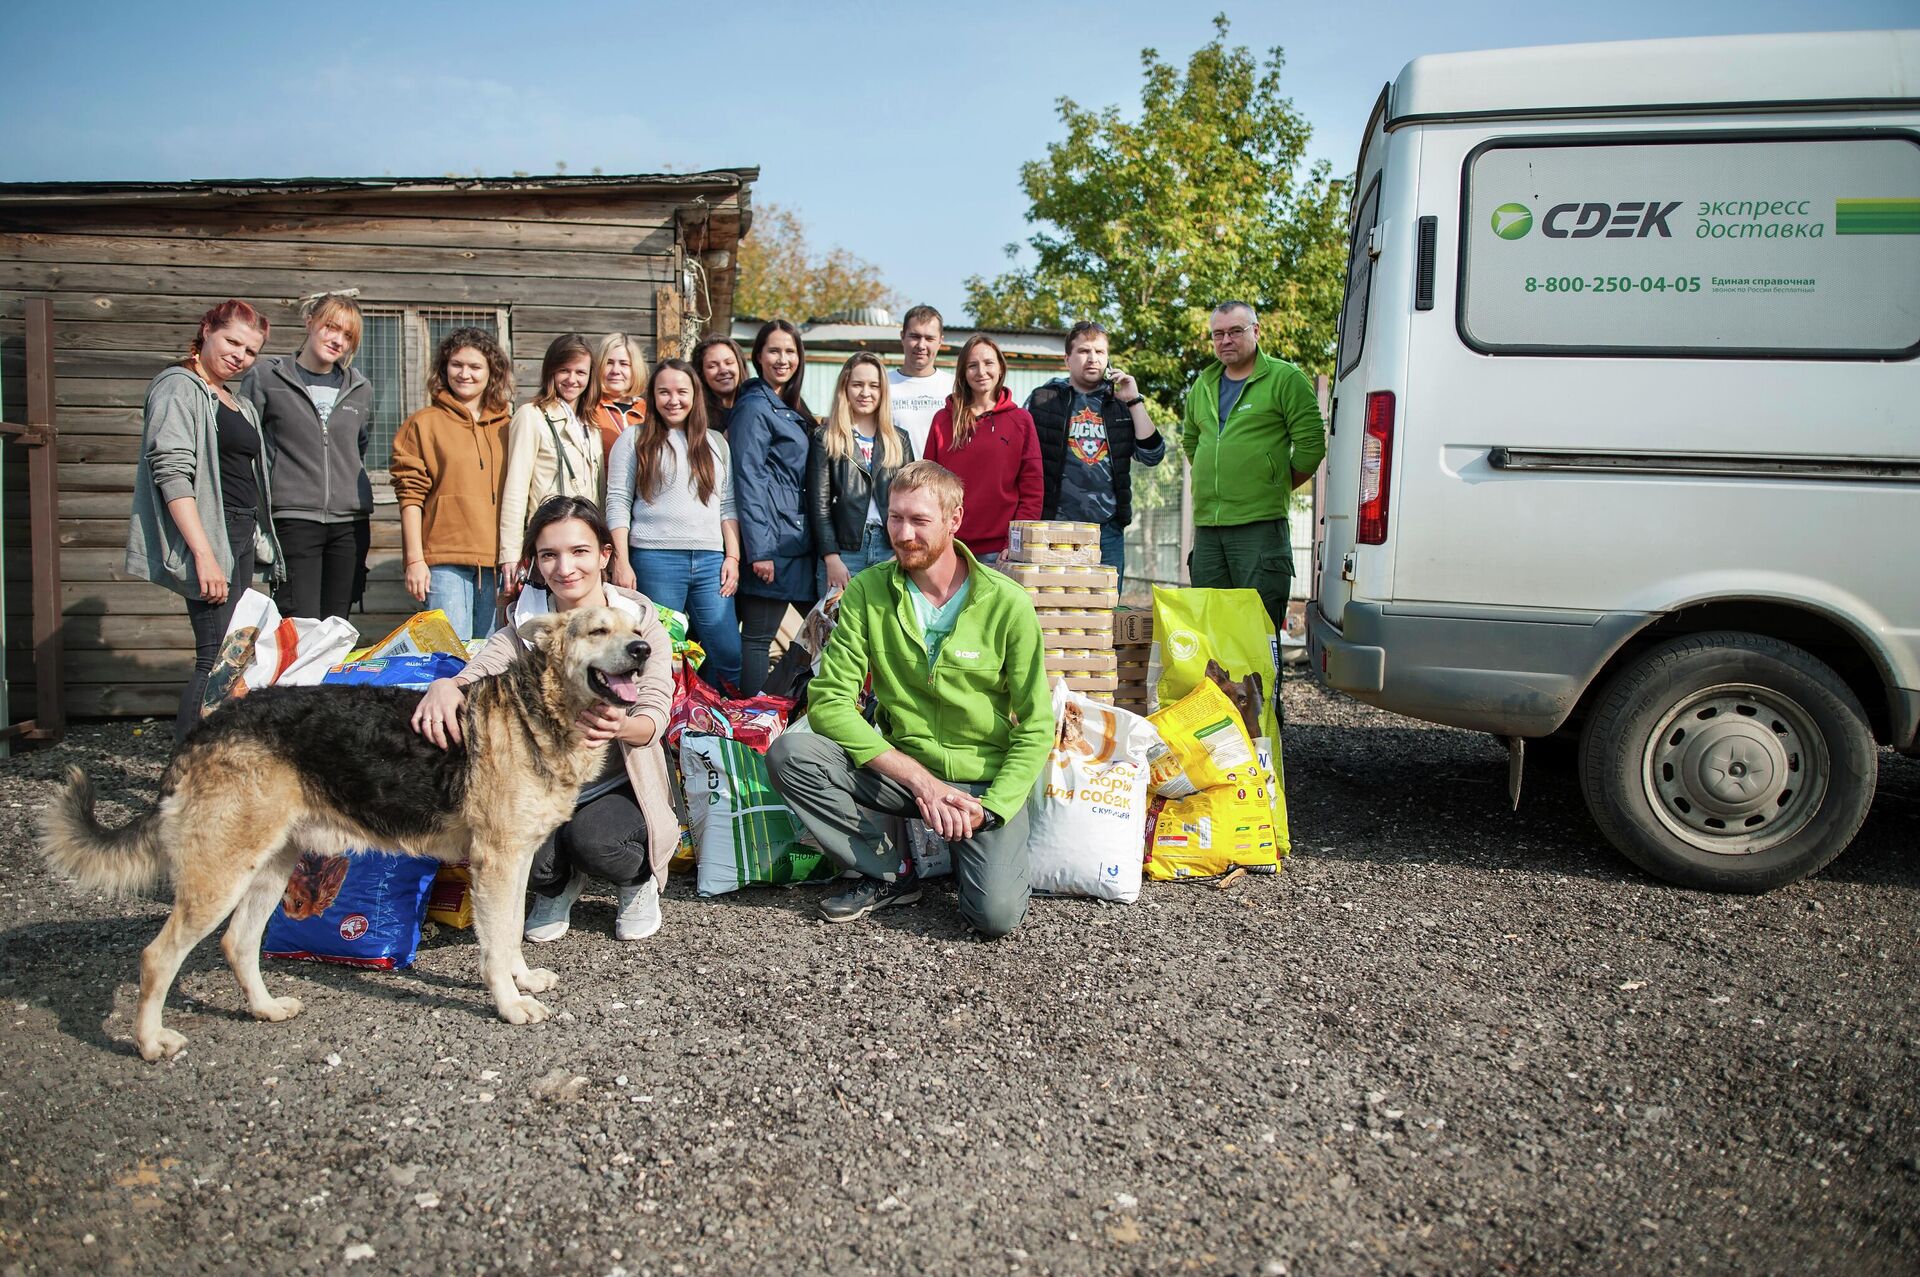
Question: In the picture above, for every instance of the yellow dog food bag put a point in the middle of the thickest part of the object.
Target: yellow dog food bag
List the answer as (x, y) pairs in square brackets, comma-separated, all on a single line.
[(1192, 627), (1203, 744), (1219, 812)]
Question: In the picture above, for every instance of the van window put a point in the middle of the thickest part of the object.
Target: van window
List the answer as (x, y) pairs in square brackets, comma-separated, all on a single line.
[(1353, 311), (1740, 245)]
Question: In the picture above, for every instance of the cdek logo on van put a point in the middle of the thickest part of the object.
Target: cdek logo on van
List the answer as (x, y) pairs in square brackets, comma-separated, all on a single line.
[(1632, 219)]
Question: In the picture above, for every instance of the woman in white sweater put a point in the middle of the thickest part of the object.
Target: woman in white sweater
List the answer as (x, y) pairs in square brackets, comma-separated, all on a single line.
[(551, 452), (670, 508)]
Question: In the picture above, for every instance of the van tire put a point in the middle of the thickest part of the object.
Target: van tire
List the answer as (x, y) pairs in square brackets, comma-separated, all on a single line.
[(1659, 754)]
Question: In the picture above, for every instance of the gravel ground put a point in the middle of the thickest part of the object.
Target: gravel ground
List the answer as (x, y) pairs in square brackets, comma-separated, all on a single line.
[(1448, 1039)]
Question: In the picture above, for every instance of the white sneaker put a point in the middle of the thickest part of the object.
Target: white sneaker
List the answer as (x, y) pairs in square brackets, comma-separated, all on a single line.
[(639, 915), (550, 916)]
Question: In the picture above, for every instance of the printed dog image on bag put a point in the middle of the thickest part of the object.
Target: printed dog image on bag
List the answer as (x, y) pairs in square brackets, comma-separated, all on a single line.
[(314, 886)]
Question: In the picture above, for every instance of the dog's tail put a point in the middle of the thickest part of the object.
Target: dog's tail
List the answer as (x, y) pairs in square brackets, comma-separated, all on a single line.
[(119, 862)]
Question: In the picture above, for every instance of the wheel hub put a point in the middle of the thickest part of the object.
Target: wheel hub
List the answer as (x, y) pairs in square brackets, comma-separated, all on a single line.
[(1732, 769)]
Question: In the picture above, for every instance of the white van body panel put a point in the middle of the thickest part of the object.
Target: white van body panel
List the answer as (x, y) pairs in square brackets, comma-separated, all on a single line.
[(1589, 557)]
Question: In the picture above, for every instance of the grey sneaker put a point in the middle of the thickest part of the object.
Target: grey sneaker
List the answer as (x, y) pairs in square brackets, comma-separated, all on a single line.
[(870, 894), (550, 916), (639, 915)]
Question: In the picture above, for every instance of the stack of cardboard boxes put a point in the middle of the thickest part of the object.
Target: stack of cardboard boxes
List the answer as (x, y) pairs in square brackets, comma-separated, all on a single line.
[(1132, 641), (1074, 594)]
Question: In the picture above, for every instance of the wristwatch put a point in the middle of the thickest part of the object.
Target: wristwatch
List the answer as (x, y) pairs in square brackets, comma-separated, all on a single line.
[(1128, 403), (991, 820)]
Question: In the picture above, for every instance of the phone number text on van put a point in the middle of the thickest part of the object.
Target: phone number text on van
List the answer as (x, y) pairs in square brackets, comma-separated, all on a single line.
[(1612, 284)]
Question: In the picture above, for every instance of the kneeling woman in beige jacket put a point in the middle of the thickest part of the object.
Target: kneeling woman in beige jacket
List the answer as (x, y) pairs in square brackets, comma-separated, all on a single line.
[(623, 827)]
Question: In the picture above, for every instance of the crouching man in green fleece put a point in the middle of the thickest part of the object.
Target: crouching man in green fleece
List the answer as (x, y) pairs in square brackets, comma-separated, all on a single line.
[(966, 718)]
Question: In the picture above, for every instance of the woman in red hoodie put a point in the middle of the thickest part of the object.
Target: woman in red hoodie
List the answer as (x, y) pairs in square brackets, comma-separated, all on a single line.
[(991, 444)]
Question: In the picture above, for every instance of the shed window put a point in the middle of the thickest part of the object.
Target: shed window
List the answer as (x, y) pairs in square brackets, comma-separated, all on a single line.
[(396, 354)]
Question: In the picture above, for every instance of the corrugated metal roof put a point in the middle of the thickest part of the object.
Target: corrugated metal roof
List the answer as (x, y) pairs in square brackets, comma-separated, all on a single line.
[(321, 187), (1016, 343)]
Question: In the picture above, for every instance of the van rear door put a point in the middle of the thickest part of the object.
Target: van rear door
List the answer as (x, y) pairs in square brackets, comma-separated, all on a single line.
[(1353, 372)]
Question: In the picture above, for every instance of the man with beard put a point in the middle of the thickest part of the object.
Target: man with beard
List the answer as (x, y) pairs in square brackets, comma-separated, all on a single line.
[(955, 655)]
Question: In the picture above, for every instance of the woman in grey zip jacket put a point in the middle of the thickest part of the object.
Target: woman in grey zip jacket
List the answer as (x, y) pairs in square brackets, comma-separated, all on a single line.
[(316, 411), (202, 517)]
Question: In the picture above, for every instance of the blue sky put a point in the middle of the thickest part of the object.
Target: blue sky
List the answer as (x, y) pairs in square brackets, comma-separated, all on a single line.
[(894, 130)]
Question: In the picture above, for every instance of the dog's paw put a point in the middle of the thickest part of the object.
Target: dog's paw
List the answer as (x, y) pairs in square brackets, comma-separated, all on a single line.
[(524, 1010), (165, 1045), (276, 1009), (537, 980)]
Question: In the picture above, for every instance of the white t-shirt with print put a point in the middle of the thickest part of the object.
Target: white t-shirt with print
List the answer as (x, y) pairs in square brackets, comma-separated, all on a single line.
[(914, 400)]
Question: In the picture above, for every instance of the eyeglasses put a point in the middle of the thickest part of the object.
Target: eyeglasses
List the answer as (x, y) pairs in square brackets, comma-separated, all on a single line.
[(1236, 332)]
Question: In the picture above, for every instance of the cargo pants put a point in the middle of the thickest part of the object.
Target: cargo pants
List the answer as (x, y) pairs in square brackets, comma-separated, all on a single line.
[(827, 792)]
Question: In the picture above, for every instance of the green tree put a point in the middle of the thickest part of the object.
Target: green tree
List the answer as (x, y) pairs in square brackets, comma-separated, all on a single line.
[(782, 276), (1144, 225)]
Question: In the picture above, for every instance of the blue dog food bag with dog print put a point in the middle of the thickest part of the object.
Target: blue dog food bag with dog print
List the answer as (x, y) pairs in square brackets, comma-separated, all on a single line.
[(413, 671), (362, 910)]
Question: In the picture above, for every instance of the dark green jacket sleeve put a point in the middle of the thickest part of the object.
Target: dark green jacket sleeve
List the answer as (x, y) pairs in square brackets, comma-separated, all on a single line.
[(1306, 429)]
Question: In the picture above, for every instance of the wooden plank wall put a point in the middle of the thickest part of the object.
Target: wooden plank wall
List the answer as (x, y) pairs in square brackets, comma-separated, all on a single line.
[(129, 281)]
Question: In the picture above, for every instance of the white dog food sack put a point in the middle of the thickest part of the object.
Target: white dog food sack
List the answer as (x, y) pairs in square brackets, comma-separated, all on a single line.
[(1089, 809), (742, 832)]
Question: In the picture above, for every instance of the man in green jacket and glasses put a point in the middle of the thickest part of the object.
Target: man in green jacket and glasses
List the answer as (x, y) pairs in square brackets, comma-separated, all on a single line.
[(1253, 431), (966, 719)]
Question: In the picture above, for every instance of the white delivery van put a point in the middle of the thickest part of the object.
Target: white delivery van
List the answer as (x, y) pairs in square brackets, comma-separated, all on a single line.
[(1626, 429)]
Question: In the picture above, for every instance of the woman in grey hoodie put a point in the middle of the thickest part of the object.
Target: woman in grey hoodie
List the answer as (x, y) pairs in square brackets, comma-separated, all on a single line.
[(201, 514), (316, 411)]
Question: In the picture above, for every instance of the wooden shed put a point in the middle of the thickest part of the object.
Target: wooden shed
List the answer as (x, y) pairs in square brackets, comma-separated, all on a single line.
[(129, 267)]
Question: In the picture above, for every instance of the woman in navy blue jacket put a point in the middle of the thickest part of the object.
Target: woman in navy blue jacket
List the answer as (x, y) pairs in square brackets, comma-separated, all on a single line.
[(770, 434)]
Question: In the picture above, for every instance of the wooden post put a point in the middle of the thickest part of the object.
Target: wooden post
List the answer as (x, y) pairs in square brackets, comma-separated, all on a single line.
[(43, 516), (668, 323)]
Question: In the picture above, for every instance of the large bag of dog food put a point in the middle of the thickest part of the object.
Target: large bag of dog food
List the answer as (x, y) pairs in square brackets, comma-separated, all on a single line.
[(414, 672), (1217, 811), (263, 648), (450, 897), (742, 832), (1229, 629), (362, 910), (1202, 743), (700, 710), (1210, 833), (418, 635), (1088, 811)]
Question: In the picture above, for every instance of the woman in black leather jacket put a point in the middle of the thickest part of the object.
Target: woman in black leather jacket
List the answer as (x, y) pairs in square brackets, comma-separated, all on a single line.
[(851, 465)]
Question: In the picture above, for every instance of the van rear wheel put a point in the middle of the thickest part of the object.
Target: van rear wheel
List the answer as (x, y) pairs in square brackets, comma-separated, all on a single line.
[(1729, 762)]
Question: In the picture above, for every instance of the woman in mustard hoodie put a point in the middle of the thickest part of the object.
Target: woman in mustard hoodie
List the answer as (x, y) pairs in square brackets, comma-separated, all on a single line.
[(447, 466)]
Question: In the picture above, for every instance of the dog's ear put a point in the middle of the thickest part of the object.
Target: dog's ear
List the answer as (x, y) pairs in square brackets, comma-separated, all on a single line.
[(1216, 672), (538, 632)]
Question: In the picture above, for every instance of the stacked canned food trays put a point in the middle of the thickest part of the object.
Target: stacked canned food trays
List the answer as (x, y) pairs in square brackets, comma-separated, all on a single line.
[(1132, 642), (1074, 594)]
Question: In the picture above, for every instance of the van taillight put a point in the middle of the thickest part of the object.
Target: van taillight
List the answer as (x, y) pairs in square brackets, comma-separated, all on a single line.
[(1376, 468)]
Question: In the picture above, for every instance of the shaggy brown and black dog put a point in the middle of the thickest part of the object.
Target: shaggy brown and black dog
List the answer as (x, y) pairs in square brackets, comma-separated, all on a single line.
[(332, 770)]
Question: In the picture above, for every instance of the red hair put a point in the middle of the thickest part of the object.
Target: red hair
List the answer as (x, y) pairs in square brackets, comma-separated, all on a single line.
[(232, 311)]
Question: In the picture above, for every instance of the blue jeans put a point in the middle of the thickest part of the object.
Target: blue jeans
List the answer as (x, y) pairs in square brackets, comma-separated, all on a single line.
[(689, 581), (1113, 550), (874, 548), (468, 595)]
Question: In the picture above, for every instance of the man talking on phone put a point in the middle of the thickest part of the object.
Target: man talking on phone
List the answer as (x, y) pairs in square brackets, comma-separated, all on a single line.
[(965, 721), (1093, 426)]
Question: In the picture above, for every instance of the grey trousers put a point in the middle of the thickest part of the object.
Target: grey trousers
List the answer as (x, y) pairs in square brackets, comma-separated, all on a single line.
[(824, 788)]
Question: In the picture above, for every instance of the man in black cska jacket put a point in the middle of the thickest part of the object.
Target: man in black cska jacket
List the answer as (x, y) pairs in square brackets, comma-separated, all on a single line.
[(1093, 426)]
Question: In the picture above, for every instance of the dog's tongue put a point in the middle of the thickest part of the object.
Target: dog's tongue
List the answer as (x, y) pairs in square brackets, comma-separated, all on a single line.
[(625, 686)]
